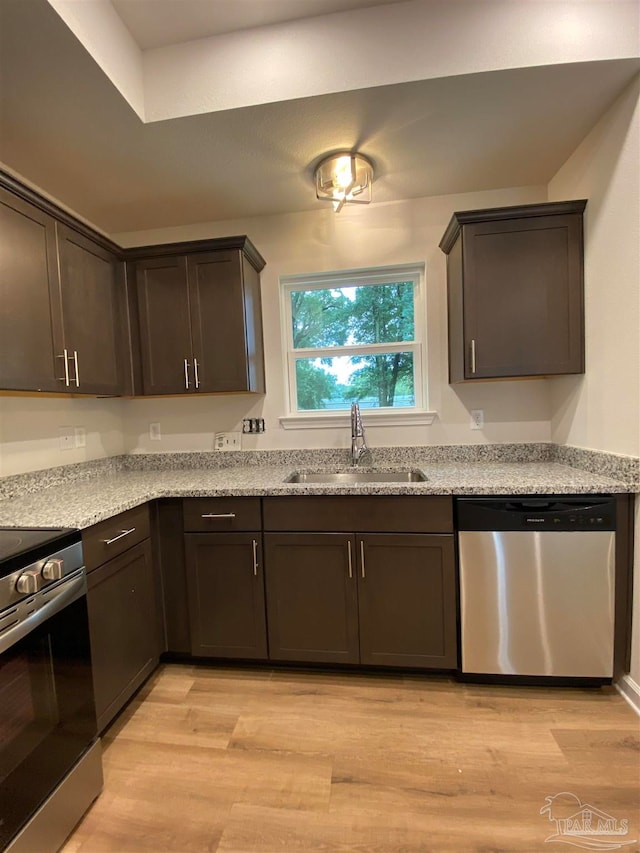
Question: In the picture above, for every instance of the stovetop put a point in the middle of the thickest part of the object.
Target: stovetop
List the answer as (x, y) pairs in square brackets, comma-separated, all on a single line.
[(21, 546)]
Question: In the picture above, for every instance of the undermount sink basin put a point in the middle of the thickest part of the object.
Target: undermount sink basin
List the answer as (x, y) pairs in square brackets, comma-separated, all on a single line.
[(356, 476)]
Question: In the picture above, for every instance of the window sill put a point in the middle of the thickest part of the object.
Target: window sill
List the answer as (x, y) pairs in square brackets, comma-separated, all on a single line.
[(371, 418)]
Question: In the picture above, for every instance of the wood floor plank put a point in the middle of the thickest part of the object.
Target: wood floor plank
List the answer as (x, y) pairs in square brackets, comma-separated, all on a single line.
[(257, 761)]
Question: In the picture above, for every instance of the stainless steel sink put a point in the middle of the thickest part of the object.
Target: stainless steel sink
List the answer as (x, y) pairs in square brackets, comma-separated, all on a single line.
[(356, 476)]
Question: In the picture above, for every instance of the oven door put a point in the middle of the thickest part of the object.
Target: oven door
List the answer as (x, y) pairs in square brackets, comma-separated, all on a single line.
[(47, 711)]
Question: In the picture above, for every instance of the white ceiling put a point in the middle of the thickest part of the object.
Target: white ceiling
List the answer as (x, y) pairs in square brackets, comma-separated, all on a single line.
[(65, 127), (157, 23)]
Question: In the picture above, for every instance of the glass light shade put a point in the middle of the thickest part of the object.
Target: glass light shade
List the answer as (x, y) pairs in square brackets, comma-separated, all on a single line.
[(344, 178)]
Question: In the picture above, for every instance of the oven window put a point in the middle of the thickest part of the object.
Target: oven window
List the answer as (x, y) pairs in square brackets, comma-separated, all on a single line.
[(28, 702), (47, 713)]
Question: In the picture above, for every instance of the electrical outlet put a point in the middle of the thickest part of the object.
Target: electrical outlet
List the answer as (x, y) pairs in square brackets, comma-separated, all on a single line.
[(154, 432), (477, 418), (228, 441), (66, 438), (80, 437)]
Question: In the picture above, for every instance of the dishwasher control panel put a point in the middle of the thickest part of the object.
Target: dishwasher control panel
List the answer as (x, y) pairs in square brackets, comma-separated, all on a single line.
[(583, 513)]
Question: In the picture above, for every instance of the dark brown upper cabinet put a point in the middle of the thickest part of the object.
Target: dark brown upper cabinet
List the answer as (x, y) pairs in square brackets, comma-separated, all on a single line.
[(515, 291), (61, 324), (28, 285), (80, 315), (88, 325), (200, 319)]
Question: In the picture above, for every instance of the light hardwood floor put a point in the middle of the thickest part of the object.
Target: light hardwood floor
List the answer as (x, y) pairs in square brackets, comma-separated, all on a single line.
[(259, 761)]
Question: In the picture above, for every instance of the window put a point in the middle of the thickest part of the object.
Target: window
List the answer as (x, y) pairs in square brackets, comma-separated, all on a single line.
[(355, 337)]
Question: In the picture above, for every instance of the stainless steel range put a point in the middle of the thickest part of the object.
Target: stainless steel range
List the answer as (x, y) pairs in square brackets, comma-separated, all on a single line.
[(50, 760)]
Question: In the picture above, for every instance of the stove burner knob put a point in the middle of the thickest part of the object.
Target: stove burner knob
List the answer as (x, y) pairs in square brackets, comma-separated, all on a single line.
[(52, 569), (28, 582)]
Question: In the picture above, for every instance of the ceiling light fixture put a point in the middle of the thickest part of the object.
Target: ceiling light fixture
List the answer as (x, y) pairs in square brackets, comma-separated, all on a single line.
[(344, 178)]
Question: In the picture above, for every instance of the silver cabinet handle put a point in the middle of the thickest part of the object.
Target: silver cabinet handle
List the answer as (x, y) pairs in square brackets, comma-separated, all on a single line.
[(65, 378), (195, 372), (473, 355), (186, 374), (255, 557), (218, 515), (77, 379), (349, 557), (362, 557), (119, 536)]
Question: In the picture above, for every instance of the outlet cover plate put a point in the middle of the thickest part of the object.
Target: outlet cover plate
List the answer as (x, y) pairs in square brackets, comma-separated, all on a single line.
[(226, 441), (477, 419), (66, 438)]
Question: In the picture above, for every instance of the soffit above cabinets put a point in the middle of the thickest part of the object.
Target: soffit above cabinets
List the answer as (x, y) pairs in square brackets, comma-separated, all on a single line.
[(66, 128)]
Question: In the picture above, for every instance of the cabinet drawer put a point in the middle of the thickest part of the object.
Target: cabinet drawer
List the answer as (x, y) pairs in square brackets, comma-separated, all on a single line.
[(216, 515), (114, 536), (363, 514)]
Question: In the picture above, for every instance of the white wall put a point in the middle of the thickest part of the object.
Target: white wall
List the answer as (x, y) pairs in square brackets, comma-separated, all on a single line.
[(601, 410), (396, 233), (29, 431)]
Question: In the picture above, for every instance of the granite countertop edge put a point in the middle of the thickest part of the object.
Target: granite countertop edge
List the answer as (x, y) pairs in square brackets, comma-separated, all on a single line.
[(81, 504)]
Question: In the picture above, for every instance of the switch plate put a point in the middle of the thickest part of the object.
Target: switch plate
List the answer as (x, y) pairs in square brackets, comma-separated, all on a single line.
[(66, 438), (477, 419), (228, 441), (154, 432), (80, 436)]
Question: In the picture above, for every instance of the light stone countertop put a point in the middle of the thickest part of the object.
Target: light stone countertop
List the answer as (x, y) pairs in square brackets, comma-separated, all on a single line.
[(85, 502)]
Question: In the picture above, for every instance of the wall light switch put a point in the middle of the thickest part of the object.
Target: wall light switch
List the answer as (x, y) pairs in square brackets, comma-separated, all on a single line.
[(80, 437), (477, 419), (154, 432)]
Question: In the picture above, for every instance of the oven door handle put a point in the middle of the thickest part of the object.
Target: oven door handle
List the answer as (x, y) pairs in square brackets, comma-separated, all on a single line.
[(54, 599)]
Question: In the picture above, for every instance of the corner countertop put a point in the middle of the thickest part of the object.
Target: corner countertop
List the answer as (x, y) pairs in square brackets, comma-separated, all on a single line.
[(84, 502)]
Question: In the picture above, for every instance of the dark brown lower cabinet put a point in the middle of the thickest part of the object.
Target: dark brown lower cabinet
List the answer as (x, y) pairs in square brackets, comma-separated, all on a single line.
[(312, 600), (407, 600), (382, 599), (122, 622), (225, 586)]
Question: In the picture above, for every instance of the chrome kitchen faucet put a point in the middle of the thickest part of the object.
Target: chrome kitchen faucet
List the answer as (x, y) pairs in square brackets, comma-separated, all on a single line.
[(359, 447)]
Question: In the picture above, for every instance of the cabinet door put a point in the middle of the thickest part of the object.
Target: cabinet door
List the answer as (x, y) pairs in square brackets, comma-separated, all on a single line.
[(218, 321), (123, 628), (91, 313), (225, 586), (407, 600), (523, 297), (312, 605), (165, 326), (28, 278)]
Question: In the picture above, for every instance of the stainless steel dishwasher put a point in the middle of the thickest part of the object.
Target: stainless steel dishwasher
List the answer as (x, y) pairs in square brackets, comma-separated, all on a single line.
[(537, 585)]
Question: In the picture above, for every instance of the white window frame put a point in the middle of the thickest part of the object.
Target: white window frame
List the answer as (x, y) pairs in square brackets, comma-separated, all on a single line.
[(389, 416)]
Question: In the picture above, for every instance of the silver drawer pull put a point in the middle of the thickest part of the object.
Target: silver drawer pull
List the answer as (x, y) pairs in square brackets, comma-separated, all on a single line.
[(119, 536), (362, 557), (473, 355), (77, 379), (218, 515), (350, 560), (186, 374), (255, 557), (65, 378)]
